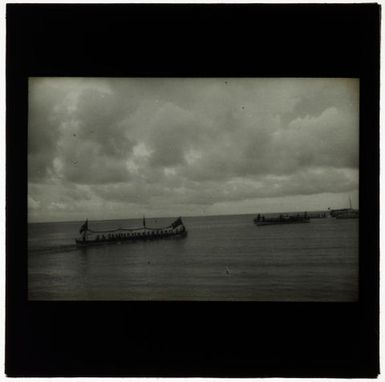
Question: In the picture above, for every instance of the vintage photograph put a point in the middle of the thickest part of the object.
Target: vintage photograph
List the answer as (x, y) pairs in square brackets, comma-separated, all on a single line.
[(193, 189)]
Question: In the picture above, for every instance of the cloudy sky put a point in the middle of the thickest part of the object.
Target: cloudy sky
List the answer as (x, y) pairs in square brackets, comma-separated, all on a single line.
[(120, 148)]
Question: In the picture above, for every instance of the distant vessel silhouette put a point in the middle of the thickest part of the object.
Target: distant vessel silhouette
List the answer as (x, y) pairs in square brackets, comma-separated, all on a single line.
[(260, 220), (345, 213)]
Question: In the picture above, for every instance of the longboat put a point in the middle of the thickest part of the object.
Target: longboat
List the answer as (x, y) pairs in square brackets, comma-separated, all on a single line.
[(128, 235), (260, 220)]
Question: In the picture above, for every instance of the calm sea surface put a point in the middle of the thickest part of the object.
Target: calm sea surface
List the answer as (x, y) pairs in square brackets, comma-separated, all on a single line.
[(223, 258)]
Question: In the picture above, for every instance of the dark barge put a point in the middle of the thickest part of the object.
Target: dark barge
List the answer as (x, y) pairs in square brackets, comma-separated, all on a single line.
[(260, 220)]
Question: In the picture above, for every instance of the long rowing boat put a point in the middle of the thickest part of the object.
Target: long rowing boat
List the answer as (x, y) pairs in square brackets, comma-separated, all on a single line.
[(125, 235)]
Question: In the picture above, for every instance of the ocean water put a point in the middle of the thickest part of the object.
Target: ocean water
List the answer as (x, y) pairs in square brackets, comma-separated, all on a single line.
[(223, 258)]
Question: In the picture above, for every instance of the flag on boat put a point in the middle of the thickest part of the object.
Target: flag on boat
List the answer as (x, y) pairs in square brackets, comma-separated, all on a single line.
[(177, 222), (84, 227)]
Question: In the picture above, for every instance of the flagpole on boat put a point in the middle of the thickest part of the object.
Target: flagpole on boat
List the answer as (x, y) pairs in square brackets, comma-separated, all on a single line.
[(84, 229)]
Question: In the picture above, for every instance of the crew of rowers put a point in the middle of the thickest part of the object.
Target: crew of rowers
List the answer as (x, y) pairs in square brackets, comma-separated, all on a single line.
[(144, 235)]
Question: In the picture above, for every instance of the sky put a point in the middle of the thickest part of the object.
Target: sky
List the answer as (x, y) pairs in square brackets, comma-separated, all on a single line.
[(120, 148)]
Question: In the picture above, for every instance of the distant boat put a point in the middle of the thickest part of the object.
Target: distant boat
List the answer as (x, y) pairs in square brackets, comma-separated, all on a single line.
[(260, 220), (353, 214), (125, 235), (345, 213), (320, 215)]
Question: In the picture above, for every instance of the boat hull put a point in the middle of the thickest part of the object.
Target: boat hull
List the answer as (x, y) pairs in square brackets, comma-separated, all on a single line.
[(89, 243), (347, 217)]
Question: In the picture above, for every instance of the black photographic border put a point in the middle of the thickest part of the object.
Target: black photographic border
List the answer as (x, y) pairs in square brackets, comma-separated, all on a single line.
[(187, 339)]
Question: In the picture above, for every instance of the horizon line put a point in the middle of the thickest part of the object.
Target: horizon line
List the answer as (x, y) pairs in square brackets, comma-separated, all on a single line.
[(174, 217)]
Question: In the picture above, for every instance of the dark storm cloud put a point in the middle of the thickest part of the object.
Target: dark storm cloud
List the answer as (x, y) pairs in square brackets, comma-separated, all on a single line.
[(105, 144), (76, 132), (46, 112)]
